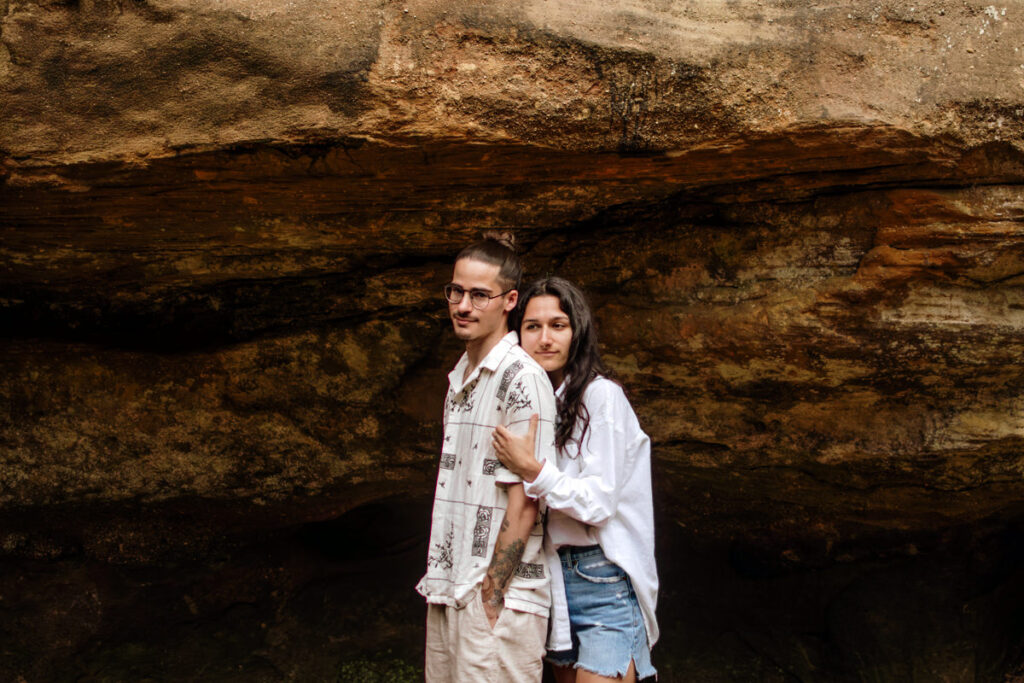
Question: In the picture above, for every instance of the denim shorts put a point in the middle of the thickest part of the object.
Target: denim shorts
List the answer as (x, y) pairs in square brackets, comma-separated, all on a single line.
[(607, 625)]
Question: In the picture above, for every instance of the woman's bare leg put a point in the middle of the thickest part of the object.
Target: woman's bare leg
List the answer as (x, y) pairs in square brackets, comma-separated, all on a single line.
[(587, 677)]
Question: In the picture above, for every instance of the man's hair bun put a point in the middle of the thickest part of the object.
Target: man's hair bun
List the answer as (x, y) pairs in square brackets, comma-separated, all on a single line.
[(505, 239), (497, 249)]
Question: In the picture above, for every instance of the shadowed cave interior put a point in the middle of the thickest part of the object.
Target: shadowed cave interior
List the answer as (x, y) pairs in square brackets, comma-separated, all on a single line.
[(333, 600)]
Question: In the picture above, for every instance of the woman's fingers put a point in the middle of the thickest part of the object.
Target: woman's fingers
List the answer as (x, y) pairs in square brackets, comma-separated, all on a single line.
[(531, 434), (510, 448), (499, 440), (502, 452), (500, 436)]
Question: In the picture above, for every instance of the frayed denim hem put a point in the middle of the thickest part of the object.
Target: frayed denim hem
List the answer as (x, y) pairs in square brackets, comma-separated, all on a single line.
[(617, 674)]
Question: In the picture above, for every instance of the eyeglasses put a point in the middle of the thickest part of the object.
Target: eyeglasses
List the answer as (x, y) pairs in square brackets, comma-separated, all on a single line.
[(478, 297)]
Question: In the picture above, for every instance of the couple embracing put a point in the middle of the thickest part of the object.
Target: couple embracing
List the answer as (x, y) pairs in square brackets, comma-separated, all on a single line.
[(535, 430)]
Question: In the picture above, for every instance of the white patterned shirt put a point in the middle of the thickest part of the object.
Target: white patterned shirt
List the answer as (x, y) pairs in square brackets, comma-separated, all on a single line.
[(470, 498)]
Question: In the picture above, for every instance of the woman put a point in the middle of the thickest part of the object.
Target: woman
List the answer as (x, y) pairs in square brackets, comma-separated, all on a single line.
[(600, 529)]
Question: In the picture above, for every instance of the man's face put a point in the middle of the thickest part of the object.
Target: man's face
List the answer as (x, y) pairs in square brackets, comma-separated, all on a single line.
[(470, 323)]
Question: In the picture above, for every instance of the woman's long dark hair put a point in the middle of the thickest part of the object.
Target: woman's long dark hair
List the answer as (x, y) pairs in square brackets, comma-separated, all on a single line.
[(584, 363)]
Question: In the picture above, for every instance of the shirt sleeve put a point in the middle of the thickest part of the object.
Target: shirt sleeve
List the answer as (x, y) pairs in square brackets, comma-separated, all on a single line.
[(530, 394), (593, 496)]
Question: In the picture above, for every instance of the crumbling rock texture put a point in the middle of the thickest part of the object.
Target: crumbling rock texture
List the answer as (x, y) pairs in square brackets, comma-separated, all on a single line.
[(224, 227)]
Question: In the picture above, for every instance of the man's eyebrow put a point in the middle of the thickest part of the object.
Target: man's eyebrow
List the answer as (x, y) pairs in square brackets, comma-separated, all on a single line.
[(470, 289)]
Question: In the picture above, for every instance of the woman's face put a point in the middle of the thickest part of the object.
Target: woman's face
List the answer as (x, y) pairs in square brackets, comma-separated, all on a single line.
[(546, 334)]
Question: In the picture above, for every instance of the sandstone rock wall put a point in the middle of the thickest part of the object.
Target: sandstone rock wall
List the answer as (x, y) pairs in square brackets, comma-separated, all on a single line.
[(224, 227)]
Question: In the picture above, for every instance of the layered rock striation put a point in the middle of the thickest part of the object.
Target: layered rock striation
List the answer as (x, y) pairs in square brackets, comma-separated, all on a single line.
[(224, 227)]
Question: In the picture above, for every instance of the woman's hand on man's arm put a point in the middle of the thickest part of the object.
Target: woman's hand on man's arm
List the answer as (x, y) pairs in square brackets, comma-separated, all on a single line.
[(517, 452)]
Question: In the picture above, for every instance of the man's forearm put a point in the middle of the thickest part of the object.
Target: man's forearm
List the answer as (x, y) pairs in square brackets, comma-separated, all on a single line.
[(509, 546)]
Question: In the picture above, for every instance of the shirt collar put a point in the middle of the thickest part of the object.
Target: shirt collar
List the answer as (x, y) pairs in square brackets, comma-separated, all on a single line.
[(494, 357), (490, 362)]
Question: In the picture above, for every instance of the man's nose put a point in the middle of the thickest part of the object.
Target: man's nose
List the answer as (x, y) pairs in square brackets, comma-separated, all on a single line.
[(465, 306)]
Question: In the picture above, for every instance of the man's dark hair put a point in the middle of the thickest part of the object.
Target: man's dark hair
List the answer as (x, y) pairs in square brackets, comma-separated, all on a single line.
[(497, 249)]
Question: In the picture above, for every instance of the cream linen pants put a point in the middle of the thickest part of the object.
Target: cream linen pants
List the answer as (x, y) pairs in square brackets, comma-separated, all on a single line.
[(463, 648)]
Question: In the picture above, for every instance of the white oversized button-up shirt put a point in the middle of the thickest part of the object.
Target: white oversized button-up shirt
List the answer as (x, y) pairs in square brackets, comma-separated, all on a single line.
[(602, 496)]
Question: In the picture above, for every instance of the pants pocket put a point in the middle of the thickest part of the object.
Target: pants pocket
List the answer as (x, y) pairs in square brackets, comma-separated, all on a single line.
[(599, 570), (484, 619)]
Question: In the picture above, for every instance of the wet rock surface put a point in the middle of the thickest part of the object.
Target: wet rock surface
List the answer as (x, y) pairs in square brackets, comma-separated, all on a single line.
[(223, 232)]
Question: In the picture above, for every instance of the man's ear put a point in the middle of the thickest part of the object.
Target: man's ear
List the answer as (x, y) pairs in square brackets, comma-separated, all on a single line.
[(513, 299)]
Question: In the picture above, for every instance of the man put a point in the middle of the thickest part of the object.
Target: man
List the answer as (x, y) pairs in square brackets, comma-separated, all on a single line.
[(486, 583)]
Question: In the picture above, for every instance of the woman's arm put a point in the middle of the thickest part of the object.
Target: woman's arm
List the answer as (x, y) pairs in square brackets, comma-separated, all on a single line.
[(517, 452), (592, 496)]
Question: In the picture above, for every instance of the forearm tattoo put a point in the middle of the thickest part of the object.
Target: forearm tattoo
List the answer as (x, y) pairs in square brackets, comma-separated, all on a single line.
[(503, 566)]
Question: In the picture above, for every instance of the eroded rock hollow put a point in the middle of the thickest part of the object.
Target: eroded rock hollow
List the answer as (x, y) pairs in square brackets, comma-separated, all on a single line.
[(224, 227)]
